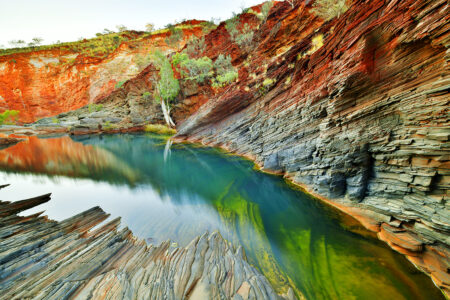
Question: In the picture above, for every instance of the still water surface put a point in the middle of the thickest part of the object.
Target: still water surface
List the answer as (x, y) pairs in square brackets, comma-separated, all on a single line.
[(179, 191)]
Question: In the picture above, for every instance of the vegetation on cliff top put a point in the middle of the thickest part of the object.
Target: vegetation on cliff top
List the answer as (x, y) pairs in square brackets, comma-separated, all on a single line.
[(108, 41)]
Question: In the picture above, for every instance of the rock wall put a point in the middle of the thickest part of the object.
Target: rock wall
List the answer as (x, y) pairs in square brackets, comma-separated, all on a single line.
[(49, 82), (362, 120)]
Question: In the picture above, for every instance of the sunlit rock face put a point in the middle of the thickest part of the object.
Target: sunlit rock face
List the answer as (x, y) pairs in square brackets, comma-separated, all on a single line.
[(48, 82), (362, 121)]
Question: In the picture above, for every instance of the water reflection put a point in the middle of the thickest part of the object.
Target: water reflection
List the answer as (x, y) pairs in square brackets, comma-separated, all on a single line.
[(174, 191)]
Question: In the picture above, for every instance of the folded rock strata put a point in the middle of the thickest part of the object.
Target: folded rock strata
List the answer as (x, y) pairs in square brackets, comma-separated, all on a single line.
[(362, 122)]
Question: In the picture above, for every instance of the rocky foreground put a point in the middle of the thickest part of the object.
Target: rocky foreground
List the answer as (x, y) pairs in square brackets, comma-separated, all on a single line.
[(83, 258)]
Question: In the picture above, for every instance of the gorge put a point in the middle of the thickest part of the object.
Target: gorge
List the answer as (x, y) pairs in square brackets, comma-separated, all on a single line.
[(353, 111)]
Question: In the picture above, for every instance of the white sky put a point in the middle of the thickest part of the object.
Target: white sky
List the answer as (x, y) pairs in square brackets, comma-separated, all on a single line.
[(66, 20)]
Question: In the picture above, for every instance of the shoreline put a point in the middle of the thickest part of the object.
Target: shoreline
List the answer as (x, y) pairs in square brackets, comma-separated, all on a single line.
[(372, 221)]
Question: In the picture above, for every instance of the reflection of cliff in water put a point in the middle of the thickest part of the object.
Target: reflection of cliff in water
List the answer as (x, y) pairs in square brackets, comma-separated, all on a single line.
[(292, 238), (64, 157)]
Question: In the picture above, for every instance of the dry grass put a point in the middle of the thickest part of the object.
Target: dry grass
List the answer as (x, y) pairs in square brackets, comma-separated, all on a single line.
[(159, 129)]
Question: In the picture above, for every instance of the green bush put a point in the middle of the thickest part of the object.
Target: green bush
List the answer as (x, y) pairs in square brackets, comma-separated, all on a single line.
[(225, 79), (109, 126), (195, 47), (119, 84), (146, 96), (329, 9), (179, 58), (225, 72), (92, 107), (245, 38), (265, 9), (9, 117), (176, 34), (197, 69)]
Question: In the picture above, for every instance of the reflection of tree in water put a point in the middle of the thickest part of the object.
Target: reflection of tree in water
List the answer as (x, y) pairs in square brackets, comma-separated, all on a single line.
[(293, 240)]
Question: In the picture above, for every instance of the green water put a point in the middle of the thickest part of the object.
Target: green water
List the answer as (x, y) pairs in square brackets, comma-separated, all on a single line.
[(181, 191)]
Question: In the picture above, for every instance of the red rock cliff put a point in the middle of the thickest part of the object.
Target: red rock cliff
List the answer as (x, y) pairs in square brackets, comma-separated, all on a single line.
[(356, 110)]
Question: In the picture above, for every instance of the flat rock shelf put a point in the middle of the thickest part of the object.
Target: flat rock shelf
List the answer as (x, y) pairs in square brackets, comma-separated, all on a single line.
[(76, 259)]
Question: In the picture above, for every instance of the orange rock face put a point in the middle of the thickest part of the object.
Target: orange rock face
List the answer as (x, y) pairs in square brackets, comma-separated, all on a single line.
[(45, 83)]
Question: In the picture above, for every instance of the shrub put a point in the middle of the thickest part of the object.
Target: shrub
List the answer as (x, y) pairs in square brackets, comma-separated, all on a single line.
[(9, 117), (146, 96), (328, 9), (197, 69), (119, 84), (223, 64), (159, 129), (225, 79), (55, 120), (245, 38), (231, 26), (196, 47), (225, 72), (176, 34), (264, 88), (178, 58), (109, 126), (92, 107), (265, 9)]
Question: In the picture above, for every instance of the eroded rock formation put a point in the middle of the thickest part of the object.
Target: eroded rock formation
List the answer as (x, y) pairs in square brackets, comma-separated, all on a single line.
[(48, 82), (42, 259), (362, 121)]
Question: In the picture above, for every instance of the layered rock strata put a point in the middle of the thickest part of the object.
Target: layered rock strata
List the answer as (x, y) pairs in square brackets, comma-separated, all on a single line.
[(362, 122), (83, 258)]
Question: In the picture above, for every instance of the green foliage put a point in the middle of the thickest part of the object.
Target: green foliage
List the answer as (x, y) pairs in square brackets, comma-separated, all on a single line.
[(109, 126), (225, 72), (223, 64), (146, 96), (92, 107), (265, 87), (225, 79), (168, 85), (231, 25), (329, 9), (119, 84), (55, 120), (9, 117), (100, 46), (197, 69), (159, 129), (265, 9), (176, 34), (179, 58), (244, 36), (196, 47)]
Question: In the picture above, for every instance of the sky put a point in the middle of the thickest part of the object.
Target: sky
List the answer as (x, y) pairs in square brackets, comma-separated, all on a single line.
[(66, 20)]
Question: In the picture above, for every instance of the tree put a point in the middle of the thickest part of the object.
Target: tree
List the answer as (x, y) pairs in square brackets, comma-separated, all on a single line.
[(17, 43), (107, 31), (149, 27), (37, 41), (168, 86), (121, 28)]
